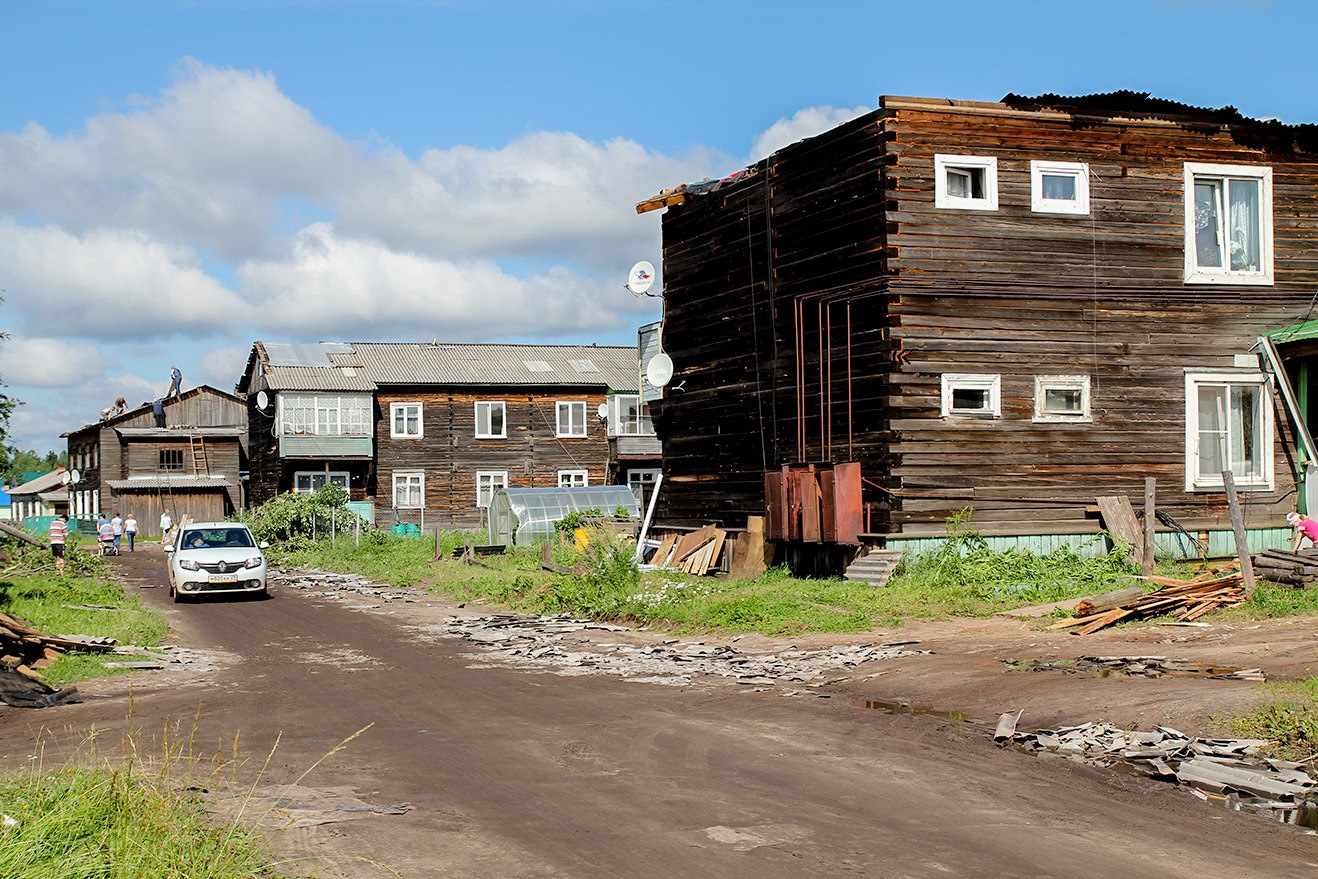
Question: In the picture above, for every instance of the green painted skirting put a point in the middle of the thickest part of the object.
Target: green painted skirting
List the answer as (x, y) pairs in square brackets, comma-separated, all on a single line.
[(1171, 544)]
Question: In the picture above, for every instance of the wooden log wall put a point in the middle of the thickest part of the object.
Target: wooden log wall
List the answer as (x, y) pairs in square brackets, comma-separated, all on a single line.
[(449, 454), (761, 280)]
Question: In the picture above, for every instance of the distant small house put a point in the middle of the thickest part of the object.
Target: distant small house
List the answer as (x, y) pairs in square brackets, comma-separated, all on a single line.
[(6, 506), (42, 495), (188, 457)]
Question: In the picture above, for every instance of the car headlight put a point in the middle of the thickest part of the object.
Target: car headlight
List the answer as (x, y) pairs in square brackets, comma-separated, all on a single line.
[(254, 563), (187, 564)]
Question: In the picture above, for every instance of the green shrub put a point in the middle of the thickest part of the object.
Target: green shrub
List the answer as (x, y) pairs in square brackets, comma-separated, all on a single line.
[(298, 517)]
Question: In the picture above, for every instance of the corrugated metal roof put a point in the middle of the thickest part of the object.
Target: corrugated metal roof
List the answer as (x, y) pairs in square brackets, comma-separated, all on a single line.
[(302, 354), (180, 433), (181, 480), (44, 482), (316, 378), (396, 363)]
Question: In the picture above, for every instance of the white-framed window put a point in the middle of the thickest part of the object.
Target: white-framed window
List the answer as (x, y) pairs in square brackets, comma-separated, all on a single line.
[(573, 478), (1228, 426), (405, 420), (978, 396), (486, 482), (968, 183), (629, 416), (571, 418), (1061, 398), (641, 481), (491, 421), (311, 481), (409, 489), (1228, 224), (1059, 187), (324, 414)]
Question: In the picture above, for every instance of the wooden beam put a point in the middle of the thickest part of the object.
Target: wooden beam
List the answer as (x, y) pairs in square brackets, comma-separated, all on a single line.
[(1238, 527), (1150, 520)]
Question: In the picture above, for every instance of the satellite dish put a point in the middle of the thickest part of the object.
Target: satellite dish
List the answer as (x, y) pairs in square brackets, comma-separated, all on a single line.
[(659, 371), (75, 477), (262, 400), (640, 278), (64, 478), (603, 411)]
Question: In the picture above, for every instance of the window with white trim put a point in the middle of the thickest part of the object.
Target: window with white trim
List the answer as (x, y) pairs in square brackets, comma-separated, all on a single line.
[(571, 418), (1228, 224), (573, 478), (486, 482), (311, 481), (491, 421), (409, 489), (1061, 398), (405, 420), (1059, 187), (324, 414), (976, 396), (641, 481), (628, 416), (968, 183), (1228, 426)]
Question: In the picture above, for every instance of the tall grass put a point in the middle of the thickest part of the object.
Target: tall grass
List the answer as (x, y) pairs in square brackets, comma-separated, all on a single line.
[(1289, 719)]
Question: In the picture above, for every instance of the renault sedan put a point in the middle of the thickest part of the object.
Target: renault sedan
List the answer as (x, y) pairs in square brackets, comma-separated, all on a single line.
[(215, 557)]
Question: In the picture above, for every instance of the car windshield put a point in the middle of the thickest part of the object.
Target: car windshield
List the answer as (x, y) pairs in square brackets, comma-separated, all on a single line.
[(212, 538)]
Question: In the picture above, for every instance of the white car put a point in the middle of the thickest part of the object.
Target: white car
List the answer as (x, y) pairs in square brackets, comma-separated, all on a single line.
[(215, 557)]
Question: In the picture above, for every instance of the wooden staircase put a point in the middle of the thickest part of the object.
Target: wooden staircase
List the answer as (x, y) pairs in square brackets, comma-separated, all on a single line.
[(874, 567), (200, 465)]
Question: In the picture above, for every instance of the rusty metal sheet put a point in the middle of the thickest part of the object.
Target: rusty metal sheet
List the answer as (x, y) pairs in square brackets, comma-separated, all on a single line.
[(810, 513), (792, 488), (775, 506), (848, 510), (828, 518)]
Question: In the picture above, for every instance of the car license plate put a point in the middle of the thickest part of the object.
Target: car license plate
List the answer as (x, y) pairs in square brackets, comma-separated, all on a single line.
[(224, 580)]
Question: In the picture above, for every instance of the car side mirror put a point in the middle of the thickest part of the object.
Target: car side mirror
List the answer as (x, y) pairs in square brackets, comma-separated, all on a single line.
[(264, 544), (169, 547)]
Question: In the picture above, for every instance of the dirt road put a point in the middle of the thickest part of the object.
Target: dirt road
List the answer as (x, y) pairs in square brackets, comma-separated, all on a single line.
[(513, 772)]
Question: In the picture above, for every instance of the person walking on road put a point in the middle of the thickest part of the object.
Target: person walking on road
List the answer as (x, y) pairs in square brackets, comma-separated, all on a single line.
[(117, 523), (130, 529), (165, 524), (59, 533)]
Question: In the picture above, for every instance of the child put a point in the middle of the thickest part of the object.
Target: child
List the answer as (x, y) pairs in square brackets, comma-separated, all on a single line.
[(1306, 530)]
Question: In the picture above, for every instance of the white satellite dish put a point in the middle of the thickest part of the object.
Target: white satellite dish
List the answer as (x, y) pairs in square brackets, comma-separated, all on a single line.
[(640, 278), (603, 411), (262, 400), (659, 371), (64, 478), (75, 477)]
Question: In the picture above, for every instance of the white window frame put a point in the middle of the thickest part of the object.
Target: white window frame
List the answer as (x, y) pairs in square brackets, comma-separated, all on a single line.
[(641, 480), (1045, 383), (569, 478), (988, 165), (978, 382), (403, 409), (412, 480), (300, 414), (487, 490), (1079, 171), (1224, 274), (489, 406), (641, 425), (569, 407), (336, 477), (1213, 483)]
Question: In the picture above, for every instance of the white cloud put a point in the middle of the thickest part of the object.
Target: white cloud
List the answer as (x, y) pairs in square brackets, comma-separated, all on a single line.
[(219, 368), (49, 363), (803, 123), (109, 283)]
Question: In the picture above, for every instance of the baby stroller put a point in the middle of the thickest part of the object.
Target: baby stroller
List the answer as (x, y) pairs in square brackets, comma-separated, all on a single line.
[(107, 544)]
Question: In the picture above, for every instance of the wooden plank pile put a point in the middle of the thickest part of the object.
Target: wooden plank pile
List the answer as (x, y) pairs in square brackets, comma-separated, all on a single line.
[(696, 552), (1298, 569), (1185, 599), (23, 650)]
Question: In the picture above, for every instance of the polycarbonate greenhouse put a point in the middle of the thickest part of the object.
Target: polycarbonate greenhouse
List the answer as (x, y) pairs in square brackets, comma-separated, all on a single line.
[(519, 516)]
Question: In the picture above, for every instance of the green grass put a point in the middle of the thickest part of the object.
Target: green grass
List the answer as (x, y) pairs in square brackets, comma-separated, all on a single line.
[(30, 589), (105, 822), (396, 561), (1289, 718)]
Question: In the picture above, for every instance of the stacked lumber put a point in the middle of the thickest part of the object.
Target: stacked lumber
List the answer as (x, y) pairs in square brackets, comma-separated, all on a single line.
[(696, 552), (1186, 599), (1298, 569), (23, 650)]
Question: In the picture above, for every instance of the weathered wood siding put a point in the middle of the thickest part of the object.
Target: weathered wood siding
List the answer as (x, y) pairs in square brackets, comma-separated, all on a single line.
[(146, 506), (775, 320), (449, 454)]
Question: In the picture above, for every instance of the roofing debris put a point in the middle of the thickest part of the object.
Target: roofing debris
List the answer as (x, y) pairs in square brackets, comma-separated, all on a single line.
[(1227, 770), (23, 650), (1186, 599), (1138, 666), (529, 641), (338, 586), (696, 552)]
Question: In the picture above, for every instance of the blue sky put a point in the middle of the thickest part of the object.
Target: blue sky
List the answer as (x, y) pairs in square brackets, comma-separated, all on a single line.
[(178, 179)]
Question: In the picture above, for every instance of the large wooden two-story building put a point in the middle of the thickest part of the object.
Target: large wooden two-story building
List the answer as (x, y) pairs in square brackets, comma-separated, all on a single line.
[(1012, 307)]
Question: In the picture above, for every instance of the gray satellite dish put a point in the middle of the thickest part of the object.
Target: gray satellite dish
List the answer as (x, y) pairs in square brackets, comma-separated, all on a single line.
[(64, 478), (659, 371), (603, 410), (640, 278), (75, 477), (262, 400)]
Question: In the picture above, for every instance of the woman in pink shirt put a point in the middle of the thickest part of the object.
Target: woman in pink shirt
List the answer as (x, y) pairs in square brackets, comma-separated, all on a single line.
[(1306, 529)]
